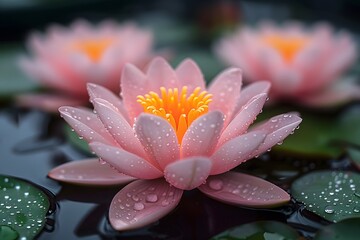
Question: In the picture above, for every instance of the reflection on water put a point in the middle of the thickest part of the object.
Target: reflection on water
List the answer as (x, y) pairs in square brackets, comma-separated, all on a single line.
[(31, 143)]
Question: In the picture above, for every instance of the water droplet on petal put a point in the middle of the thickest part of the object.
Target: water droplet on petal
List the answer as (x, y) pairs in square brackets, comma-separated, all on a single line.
[(101, 161), (216, 184), (164, 203), (139, 206), (151, 198)]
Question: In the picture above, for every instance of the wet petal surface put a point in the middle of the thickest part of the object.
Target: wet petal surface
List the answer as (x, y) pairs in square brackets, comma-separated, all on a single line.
[(188, 173), (125, 162), (89, 172), (141, 203), (244, 190)]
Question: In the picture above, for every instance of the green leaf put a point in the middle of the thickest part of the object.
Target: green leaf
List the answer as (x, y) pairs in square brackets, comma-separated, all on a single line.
[(74, 139), (12, 80), (7, 233), (344, 230), (349, 127), (23, 207), (262, 230), (333, 195)]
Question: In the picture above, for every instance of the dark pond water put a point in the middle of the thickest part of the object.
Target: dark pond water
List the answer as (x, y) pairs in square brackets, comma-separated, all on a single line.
[(32, 143)]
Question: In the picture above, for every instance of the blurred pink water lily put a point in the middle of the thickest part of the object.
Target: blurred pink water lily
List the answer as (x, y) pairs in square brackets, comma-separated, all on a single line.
[(64, 60), (303, 65), (173, 134)]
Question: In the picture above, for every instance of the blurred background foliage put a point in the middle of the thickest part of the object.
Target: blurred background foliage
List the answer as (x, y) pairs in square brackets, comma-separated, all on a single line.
[(187, 27), (18, 17)]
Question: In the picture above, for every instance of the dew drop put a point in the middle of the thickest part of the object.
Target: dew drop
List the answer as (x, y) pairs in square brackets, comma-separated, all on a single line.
[(356, 209), (216, 184), (135, 198), (329, 209), (138, 206), (165, 203), (151, 198), (101, 161)]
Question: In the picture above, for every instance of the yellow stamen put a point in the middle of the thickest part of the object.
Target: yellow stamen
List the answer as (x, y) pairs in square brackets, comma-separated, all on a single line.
[(93, 48), (287, 46), (177, 107)]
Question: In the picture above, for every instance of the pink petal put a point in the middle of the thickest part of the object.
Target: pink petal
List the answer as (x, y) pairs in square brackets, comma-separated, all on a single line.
[(125, 162), (244, 118), (244, 190), (48, 102), (188, 173), (161, 74), (98, 91), (236, 151), (343, 56), (203, 134), (88, 172), (248, 92), (86, 124), (141, 203), (277, 128), (189, 74), (133, 83), (49, 74), (225, 90), (340, 93), (118, 127), (158, 138)]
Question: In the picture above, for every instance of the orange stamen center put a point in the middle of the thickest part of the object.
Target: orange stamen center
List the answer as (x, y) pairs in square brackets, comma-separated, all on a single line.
[(287, 46), (176, 107), (93, 48)]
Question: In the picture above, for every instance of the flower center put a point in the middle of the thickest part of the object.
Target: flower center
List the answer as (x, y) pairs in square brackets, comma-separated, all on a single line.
[(287, 46), (93, 48), (177, 107)]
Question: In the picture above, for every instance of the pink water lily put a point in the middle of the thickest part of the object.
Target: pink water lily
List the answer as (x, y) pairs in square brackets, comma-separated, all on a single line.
[(64, 60), (303, 65), (173, 134)]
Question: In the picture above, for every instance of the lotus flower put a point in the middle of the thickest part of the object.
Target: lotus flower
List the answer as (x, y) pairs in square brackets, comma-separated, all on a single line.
[(66, 59), (173, 134), (303, 65)]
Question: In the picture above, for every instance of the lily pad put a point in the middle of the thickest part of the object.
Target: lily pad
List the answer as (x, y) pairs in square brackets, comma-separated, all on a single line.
[(7, 233), (324, 135), (333, 195), (344, 230), (12, 80), (23, 207), (262, 230), (77, 142)]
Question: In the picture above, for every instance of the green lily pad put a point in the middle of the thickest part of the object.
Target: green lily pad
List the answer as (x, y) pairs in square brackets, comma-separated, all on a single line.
[(333, 195), (349, 129), (77, 142), (7, 233), (262, 230), (12, 80), (344, 230), (23, 207), (322, 135)]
